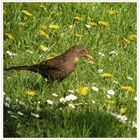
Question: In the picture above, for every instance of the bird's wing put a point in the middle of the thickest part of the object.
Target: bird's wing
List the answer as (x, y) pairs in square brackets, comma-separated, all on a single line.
[(52, 64)]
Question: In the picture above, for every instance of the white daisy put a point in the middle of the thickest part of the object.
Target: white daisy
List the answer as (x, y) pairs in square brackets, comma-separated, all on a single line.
[(50, 102), (20, 113), (35, 115), (111, 92), (95, 88), (70, 97), (100, 71), (54, 94)]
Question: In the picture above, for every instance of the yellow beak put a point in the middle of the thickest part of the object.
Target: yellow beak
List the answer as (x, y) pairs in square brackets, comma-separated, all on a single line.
[(89, 57)]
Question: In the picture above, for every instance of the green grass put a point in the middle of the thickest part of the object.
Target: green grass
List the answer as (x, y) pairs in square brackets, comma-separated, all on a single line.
[(59, 120)]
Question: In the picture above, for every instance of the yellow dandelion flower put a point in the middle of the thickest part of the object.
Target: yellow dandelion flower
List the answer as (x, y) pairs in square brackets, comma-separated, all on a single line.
[(31, 93), (54, 27), (45, 34), (70, 26), (110, 102), (128, 89), (132, 37), (92, 23), (52, 55), (113, 12), (78, 18), (78, 36), (103, 23), (43, 47), (10, 36), (25, 12), (123, 110), (83, 91), (125, 41), (106, 75)]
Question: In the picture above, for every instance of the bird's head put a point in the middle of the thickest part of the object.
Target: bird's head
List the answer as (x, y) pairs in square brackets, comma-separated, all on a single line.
[(81, 52)]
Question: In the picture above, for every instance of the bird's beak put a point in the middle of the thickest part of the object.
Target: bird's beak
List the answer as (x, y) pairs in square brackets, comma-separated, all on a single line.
[(89, 57)]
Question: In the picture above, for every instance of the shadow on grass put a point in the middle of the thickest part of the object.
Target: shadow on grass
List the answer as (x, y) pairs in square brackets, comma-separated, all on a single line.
[(62, 123)]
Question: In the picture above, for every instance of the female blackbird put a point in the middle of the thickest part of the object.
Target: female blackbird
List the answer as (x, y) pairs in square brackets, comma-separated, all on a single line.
[(59, 67)]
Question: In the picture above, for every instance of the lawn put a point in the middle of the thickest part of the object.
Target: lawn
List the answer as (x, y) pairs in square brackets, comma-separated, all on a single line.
[(99, 98)]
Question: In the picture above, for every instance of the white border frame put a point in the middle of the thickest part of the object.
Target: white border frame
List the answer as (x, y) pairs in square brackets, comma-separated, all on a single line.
[(138, 65)]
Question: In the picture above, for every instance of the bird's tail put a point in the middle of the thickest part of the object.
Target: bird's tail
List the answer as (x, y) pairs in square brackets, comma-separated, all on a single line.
[(30, 68)]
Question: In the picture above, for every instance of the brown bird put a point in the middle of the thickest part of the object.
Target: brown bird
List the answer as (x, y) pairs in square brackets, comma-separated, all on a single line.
[(59, 67)]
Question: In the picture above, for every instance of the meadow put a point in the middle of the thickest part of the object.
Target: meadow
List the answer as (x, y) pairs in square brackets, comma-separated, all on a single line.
[(99, 98)]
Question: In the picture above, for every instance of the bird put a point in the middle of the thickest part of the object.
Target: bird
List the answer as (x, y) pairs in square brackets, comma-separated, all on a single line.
[(60, 67)]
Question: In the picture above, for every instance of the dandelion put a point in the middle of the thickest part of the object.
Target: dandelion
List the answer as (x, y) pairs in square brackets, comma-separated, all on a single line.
[(95, 88), (100, 71), (83, 90), (78, 36), (111, 92), (50, 102), (101, 54), (70, 97), (125, 41), (113, 12), (10, 36), (110, 102), (103, 23), (54, 27), (106, 75), (20, 113), (132, 37), (123, 110), (35, 115), (93, 24), (43, 47), (78, 18), (52, 55), (128, 89), (31, 93), (25, 12), (45, 34), (11, 53), (54, 94), (134, 125)]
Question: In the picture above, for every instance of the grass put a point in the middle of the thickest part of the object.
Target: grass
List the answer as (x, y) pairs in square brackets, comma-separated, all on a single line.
[(87, 119)]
